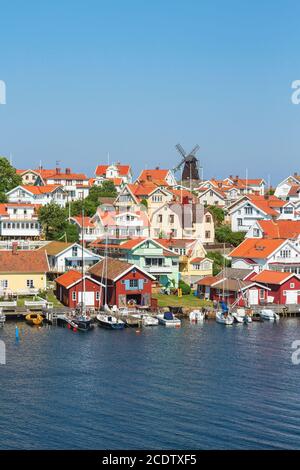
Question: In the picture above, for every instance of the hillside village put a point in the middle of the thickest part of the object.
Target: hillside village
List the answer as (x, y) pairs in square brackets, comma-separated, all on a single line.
[(231, 238)]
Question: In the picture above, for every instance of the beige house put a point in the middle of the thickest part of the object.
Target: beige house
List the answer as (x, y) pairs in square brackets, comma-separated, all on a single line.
[(22, 272), (176, 220)]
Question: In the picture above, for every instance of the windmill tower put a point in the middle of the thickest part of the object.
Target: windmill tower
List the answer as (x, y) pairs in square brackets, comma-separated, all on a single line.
[(189, 162)]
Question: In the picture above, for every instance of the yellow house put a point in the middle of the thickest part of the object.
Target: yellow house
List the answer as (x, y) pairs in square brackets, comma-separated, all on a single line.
[(193, 264), (22, 272)]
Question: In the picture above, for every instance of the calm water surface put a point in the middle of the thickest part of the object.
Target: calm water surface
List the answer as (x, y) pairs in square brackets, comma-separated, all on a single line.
[(200, 387)]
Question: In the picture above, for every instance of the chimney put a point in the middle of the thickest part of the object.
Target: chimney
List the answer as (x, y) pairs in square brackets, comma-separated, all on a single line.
[(149, 178), (57, 171), (157, 167), (266, 196), (295, 173), (68, 171), (231, 177), (14, 248)]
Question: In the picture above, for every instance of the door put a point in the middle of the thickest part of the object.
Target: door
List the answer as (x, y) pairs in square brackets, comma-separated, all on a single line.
[(253, 297), (88, 298), (291, 296)]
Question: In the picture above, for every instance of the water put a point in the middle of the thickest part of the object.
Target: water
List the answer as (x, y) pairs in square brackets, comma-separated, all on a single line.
[(198, 387)]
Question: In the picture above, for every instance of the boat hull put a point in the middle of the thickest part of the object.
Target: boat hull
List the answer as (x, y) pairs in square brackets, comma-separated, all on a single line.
[(110, 326)]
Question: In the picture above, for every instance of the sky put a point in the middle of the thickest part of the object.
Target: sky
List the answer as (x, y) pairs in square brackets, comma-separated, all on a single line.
[(127, 80)]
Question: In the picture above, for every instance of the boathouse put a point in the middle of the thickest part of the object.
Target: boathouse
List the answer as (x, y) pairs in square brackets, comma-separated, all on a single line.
[(284, 286), (72, 288), (127, 284)]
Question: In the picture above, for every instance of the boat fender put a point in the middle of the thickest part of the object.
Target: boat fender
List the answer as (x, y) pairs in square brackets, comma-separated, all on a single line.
[(75, 330), (69, 326)]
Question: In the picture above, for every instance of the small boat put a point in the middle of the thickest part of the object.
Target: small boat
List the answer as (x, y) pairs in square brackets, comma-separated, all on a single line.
[(110, 322), (2, 318), (83, 322), (146, 320), (34, 319), (241, 316), (196, 316), (225, 318), (268, 314), (168, 319)]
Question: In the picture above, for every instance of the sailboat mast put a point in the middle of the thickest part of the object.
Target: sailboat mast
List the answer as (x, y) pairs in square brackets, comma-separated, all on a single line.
[(82, 257)]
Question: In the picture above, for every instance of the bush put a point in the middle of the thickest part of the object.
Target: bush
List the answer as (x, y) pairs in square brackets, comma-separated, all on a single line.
[(224, 234), (186, 289)]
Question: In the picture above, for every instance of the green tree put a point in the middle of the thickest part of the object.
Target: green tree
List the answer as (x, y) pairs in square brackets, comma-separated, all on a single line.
[(186, 289), (9, 179), (107, 189), (224, 234), (219, 261), (53, 219), (69, 233), (90, 203), (217, 213)]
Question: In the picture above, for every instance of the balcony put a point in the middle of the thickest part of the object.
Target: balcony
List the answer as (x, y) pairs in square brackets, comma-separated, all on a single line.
[(159, 269)]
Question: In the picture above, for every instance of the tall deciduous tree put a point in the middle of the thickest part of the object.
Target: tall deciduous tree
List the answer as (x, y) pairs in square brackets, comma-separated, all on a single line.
[(53, 219), (9, 179)]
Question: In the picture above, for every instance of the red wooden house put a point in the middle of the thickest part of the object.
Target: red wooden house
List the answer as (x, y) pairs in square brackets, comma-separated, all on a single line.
[(284, 288), (72, 288), (232, 286), (127, 284)]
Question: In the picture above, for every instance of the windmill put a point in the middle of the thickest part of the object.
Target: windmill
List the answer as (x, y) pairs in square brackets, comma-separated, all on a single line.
[(190, 161)]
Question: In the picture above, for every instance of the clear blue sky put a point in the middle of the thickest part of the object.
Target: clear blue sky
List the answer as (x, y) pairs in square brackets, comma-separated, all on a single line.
[(133, 78)]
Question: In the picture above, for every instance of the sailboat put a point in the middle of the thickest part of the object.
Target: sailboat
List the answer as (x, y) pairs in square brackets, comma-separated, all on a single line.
[(223, 316), (81, 317)]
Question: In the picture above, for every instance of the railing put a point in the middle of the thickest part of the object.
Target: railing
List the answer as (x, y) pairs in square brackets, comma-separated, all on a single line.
[(8, 304)]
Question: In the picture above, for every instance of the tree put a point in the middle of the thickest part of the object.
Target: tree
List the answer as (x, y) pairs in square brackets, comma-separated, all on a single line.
[(224, 234), (68, 233), (9, 179), (217, 213), (53, 219), (219, 261), (107, 189), (90, 203), (186, 289)]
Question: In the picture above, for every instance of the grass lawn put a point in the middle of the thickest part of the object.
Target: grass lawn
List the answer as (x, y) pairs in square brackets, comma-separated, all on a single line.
[(184, 301), (50, 297)]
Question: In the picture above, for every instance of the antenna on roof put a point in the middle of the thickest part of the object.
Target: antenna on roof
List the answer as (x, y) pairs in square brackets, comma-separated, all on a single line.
[(108, 158), (10, 158)]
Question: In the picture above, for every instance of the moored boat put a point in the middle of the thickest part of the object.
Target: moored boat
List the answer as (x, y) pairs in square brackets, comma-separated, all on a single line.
[(110, 322), (269, 314), (146, 320), (196, 316), (2, 318), (224, 317), (168, 319), (34, 319)]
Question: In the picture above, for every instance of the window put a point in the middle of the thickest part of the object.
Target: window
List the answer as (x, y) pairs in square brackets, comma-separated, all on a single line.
[(288, 210), (74, 251), (159, 218), (286, 253), (240, 222), (248, 210), (4, 284), (292, 285), (208, 219), (29, 283), (74, 295), (256, 232), (207, 234), (171, 219), (133, 283), (261, 294)]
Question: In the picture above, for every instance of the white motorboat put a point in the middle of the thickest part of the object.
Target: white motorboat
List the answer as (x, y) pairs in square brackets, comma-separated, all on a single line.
[(168, 319), (268, 314), (196, 316), (146, 320), (2, 318), (110, 322), (224, 317), (241, 316)]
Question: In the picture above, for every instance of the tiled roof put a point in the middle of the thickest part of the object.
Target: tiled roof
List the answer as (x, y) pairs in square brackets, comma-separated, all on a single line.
[(280, 228), (197, 260), (256, 248), (4, 206), (68, 278), (31, 261), (115, 268), (156, 176), (272, 277), (49, 188), (86, 221), (124, 170)]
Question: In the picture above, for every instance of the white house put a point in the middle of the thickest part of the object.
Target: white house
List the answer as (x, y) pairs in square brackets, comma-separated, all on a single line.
[(19, 222), (283, 188), (65, 256), (91, 230), (265, 253), (116, 172), (249, 209), (212, 197), (38, 195)]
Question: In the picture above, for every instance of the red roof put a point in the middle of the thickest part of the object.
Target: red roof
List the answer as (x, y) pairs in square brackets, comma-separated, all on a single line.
[(272, 277), (86, 221), (4, 206), (256, 248), (156, 176), (24, 261), (280, 228), (68, 278), (49, 188), (196, 260), (123, 170)]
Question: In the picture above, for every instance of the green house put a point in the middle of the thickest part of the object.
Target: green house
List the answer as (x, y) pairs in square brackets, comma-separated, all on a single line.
[(153, 257)]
